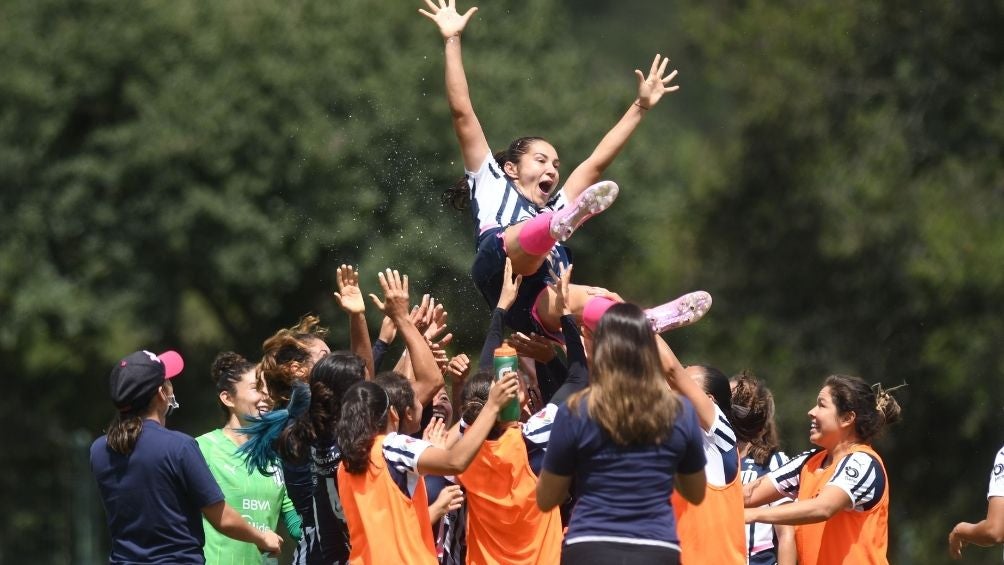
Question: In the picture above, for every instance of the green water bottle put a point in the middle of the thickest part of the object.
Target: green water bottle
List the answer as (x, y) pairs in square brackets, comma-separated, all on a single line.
[(506, 360)]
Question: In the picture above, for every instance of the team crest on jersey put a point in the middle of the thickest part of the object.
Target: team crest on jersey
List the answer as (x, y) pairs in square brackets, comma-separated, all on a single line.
[(998, 469)]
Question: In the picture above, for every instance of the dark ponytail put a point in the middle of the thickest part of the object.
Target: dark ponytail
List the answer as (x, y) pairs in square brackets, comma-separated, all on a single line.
[(124, 430), (364, 416), (398, 389), (330, 378), (475, 394), (717, 385), (873, 407), (753, 417), (459, 194)]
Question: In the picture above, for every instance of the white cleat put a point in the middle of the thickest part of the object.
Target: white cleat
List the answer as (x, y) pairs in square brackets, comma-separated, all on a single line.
[(592, 201), (681, 312)]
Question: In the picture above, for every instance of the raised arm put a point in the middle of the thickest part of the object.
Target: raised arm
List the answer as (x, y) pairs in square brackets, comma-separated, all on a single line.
[(428, 377), (350, 298), (493, 339), (454, 460), (682, 381), (473, 144), (651, 88)]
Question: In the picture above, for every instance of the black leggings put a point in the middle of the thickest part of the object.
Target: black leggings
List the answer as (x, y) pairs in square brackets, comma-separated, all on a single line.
[(613, 553)]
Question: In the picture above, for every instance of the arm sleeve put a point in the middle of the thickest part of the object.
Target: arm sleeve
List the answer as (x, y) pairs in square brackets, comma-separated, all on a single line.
[(997, 476), (402, 452), (294, 524), (562, 448), (694, 459), (787, 478), (379, 350), (537, 429), (550, 376), (578, 374), (494, 338), (861, 476), (203, 490)]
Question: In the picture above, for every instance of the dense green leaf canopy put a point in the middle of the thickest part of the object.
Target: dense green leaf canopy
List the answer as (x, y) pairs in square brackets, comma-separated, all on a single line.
[(189, 175)]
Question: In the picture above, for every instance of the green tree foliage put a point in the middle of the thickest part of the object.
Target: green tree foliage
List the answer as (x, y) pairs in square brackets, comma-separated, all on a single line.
[(853, 224), (189, 174)]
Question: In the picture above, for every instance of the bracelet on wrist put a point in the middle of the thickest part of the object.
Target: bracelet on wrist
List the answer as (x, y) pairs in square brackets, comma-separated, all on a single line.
[(638, 104)]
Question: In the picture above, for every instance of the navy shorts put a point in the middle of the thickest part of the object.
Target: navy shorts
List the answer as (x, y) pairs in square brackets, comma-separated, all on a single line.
[(487, 272)]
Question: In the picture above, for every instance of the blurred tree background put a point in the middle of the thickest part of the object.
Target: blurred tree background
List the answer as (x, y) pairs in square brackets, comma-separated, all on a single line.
[(189, 174)]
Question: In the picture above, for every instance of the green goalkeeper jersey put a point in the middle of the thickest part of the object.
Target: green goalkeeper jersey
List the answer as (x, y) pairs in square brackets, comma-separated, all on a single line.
[(260, 499)]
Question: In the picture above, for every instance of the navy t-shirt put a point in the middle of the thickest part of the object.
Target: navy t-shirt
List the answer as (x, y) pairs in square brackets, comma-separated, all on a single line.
[(622, 492), (154, 496)]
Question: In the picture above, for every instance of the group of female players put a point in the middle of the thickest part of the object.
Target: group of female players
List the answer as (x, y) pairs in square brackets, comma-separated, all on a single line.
[(621, 455)]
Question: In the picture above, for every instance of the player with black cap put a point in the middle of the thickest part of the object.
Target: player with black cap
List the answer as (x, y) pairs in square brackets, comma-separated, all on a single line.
[(154, 482)]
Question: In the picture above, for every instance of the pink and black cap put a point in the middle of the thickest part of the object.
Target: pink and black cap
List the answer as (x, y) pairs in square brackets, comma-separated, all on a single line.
[(135, 379)]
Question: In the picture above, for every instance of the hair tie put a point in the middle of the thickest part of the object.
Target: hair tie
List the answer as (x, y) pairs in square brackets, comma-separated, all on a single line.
[(882, 396)]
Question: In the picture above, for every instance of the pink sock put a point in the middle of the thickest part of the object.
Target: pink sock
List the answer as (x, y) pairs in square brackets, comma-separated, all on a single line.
[(535, 237), (594, 310)]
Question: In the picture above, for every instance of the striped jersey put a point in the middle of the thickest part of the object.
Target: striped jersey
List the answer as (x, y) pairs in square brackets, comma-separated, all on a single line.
[(859, 474), (497, 203), (761, 543), (997, 476), (854, 536), (721, 452)]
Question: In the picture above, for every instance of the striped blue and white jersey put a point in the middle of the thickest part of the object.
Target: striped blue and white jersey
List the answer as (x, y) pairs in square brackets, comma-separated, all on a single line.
[(497, 203), (859, 475), (720, 451), (536, 435), (537, 429), (401, 453), (997, 476), (760, 538)]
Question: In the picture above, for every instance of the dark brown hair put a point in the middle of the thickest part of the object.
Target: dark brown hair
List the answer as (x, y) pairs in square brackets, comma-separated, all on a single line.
[(459, 194), (873, 407), (753, 416), (226, 372), (330, 379), (364, 416), (285, 356)]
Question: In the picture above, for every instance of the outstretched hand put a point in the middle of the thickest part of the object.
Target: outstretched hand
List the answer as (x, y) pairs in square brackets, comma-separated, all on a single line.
[(559, 284), (457, 370), (534, 346), (395, 294), (652, 87), (349, 297), (510, 286), (444, 13)]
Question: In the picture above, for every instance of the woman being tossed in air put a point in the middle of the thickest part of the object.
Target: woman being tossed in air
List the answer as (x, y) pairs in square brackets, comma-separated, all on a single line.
[(520, 212)]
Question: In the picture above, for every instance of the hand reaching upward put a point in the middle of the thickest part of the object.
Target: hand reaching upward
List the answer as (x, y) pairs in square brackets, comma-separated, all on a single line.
[(395, 294), (349, 297), (444, 13), (652, 87)]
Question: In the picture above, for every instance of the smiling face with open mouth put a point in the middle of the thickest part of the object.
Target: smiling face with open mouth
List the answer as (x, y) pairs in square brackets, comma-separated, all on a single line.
[(825, 422), (441, 406), (535, 173)]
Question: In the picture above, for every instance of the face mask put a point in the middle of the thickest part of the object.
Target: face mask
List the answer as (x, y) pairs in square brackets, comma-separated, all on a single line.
[(172, 404)]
